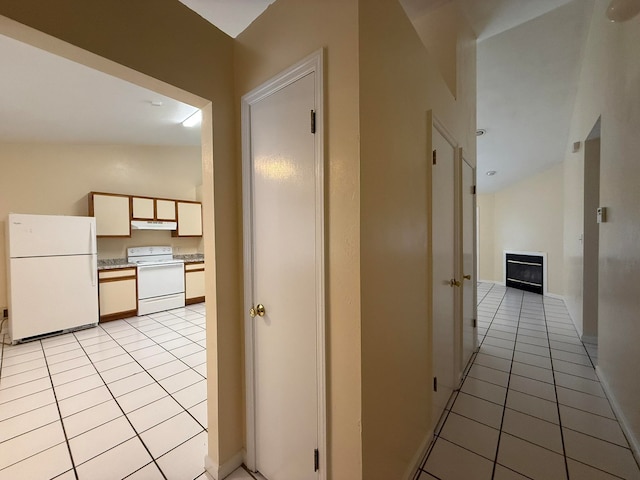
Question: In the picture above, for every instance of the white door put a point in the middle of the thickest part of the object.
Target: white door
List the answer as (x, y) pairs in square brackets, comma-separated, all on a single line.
[(468, 262), (443, 241), (285, 247)]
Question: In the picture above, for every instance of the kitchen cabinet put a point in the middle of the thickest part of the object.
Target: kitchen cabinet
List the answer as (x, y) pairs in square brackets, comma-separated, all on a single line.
[(189, 219), (112, 212), (147, 208), (165, 210), (194, 282), (143, 208), (117, 293)]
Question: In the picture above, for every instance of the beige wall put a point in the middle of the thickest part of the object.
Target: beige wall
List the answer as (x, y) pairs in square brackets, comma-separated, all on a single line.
[(610, 87), (400, 82), (486, 238), (166, 41), (287, 32), (527, 216)]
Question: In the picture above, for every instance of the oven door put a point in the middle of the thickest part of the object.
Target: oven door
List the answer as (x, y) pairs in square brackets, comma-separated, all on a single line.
[(158, 280)]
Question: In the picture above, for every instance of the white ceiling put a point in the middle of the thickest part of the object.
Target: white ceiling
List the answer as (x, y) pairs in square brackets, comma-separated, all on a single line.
[(528, 63), (49, 99), (230, 16), (527, 83)]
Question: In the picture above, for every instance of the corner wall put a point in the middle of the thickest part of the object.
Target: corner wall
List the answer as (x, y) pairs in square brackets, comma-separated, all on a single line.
[(610, 87), (400, 82)]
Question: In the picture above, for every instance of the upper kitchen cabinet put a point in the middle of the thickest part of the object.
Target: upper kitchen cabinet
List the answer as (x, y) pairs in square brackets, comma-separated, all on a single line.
[(147, 208), (189, 219), (112, 212), (165, 210), (143, 208)]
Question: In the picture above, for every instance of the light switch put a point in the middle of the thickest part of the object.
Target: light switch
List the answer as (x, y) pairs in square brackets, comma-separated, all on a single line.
[(601, 214)]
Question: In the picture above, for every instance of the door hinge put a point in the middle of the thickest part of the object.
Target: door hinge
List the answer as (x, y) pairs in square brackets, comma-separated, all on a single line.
[(434, 156), (316, 460), (474, 323), (435, 384), (473, 190), (313, 121)]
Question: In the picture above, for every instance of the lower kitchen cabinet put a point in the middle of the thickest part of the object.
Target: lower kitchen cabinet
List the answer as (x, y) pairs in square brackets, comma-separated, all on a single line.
[(117, 293), (194, 282)]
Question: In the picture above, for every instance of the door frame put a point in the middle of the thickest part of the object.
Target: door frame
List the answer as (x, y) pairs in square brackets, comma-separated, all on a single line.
[(474, 273), (434, 122), (312, 64)]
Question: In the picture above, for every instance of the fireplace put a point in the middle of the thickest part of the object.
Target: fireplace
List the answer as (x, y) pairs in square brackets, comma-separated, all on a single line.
[(526, 271)]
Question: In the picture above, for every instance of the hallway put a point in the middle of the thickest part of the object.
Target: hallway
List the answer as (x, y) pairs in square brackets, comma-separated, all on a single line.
[(557, 423)]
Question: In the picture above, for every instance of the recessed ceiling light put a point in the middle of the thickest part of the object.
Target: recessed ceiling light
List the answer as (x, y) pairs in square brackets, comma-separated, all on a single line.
[(491, 173), (156, 103), (480, 132), (623, 10)]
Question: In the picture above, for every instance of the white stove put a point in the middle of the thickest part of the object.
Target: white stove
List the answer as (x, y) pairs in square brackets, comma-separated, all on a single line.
[(160, 278)]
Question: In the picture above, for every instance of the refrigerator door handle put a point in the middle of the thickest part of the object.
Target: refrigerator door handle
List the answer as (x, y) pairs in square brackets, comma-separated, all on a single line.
[(94, 255), (94, 270), (92, 238)]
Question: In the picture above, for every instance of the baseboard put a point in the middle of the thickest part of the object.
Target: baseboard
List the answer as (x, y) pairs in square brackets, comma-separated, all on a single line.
[(418, 457), (218, 472), (590, 339), (634, 442), (492, 281), (554, 295)]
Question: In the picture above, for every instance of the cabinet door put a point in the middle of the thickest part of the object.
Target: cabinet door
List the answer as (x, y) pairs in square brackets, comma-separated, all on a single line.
[(166, 210), (143, 208), (118, 294), (112, 212), (194, 285), (189, 219)]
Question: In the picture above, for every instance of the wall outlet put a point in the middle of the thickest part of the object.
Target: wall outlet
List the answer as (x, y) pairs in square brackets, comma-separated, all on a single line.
[(5, 313)]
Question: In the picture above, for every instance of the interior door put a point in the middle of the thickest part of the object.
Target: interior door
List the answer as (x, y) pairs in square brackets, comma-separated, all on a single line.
[(468, 262), (284, 276), (443, 251)]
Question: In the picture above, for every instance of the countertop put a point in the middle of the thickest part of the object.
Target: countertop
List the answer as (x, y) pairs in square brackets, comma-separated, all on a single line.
[(113, 263)]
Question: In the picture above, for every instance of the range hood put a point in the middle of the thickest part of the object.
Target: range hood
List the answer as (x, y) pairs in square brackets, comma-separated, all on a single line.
[(153, 225)]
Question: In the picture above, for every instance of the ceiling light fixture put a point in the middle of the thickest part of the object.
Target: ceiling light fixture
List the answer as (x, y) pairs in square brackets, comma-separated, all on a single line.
[(480, 132), (623, 10), (156, 103), (194, 119), (491, 173)]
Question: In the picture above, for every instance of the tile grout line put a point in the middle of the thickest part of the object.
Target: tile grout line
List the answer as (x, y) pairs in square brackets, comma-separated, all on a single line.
[(55, 396), (82, 348), (555, 390), (504, 407), (123, 413), (159, 384), (446, 414)]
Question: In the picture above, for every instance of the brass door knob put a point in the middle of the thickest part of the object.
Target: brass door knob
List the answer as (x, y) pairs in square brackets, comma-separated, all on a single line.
[(467, 277), (258, 311), (454, 283)]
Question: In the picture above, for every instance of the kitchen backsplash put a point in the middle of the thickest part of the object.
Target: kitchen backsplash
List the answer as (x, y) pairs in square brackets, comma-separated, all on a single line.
[(117, 247)]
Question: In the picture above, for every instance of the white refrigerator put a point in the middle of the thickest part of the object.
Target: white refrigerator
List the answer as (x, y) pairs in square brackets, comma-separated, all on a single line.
[(51, 274)]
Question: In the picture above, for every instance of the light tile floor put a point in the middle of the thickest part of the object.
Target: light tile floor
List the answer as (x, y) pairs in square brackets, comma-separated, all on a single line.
[(531, 405), (126, 399)]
